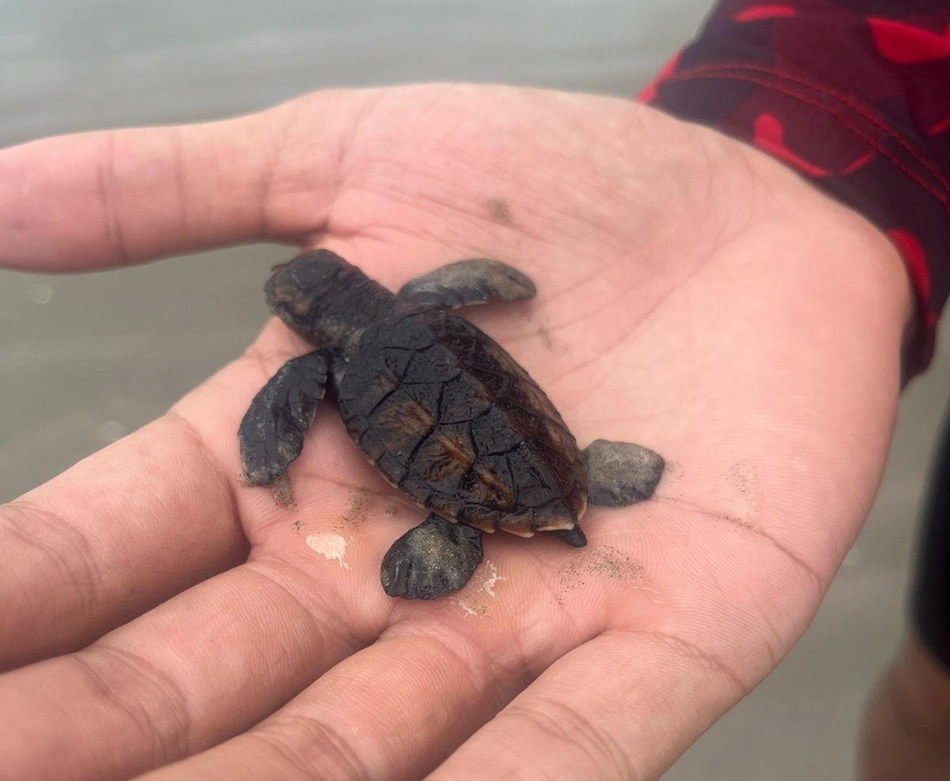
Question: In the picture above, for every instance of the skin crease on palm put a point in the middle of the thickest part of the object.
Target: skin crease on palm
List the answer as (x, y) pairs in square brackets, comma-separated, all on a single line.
[(695, 296)]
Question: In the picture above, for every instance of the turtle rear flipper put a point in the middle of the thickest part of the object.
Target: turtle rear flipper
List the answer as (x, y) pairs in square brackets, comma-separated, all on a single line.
[(464, 283), (434, 558), (574, 537), (271, 433), (621, 473)]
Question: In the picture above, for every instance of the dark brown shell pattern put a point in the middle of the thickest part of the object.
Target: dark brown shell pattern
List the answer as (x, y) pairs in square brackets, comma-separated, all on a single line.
[(454, 422)]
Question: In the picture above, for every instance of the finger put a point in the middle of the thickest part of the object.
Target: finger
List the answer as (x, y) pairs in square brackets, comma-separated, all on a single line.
[(397, 708), (392, 711), (111, 198), (199, 668), (118, 533), (621, 706)]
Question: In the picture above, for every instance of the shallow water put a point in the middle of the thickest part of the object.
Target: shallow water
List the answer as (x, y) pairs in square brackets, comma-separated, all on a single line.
[(70, 65), (85, 359)]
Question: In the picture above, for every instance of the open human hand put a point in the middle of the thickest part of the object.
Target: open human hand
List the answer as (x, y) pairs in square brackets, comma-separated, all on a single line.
[(694, 296)]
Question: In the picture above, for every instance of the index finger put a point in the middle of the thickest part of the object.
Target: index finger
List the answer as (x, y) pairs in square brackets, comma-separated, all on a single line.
[(117, 197)]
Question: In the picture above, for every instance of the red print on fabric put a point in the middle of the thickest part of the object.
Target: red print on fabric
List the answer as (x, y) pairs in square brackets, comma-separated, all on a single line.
[(758, 12), (649, 92), (768, 134), (905, 44), (939, 127)]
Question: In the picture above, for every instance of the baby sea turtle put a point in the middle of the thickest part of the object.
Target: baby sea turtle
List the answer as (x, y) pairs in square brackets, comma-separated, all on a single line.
[(441, 409)]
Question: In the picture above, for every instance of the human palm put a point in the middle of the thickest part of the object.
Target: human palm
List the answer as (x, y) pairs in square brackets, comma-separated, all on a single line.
[(693, 296)]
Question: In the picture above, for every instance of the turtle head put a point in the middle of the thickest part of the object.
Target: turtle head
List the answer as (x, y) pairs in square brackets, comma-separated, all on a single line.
[(325, 299)]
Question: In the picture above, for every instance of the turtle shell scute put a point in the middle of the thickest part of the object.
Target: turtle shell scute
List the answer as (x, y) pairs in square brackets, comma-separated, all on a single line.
[(451, 419)]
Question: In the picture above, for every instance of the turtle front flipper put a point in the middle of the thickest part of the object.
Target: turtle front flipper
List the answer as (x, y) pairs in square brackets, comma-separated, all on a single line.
[(271, 434), (434, 558), (466, 282), (621, 473)]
